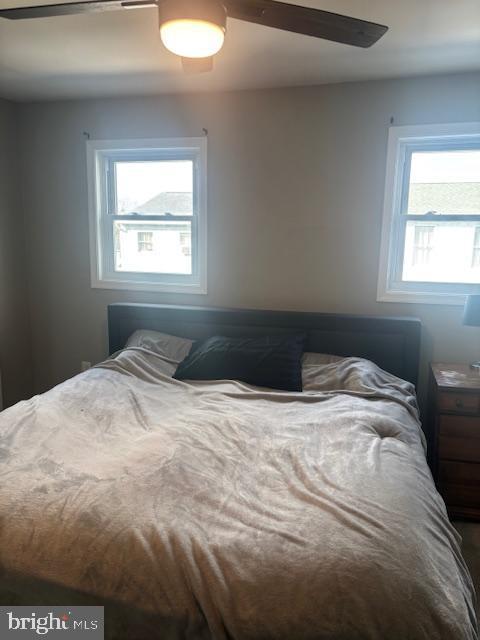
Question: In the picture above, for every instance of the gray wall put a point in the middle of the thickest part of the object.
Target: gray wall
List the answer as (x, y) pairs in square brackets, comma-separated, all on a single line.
[(15, 363), (295, 185)]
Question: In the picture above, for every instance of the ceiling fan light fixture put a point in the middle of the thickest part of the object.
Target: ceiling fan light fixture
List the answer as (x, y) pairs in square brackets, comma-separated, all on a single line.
[(192, 28), (192, 38)]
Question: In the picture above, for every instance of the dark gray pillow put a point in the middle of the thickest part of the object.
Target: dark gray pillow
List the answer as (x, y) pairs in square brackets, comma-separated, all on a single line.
[(270, 361)]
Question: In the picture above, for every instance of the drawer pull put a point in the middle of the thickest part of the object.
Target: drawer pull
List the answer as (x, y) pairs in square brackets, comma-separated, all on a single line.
[(458, 403)]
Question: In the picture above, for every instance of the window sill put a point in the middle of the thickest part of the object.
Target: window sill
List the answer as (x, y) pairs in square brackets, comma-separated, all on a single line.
[(194, 288), (421, 297)]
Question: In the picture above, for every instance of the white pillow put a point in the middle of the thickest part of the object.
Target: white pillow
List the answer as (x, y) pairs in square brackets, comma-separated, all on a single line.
[(315, 359), (170, 347)]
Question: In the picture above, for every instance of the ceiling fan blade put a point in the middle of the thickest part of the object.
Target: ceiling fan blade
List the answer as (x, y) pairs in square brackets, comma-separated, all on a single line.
[(197, 65), (66, 9), (310, 22)]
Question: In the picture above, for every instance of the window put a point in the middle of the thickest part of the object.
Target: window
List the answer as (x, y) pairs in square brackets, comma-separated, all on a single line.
[(423, 245), (431, 214), (186, 244), (148, 214), (145, 241), (476, 249)]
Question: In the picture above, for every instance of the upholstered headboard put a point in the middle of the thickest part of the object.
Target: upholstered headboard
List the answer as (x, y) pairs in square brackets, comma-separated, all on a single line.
[(392, 343)]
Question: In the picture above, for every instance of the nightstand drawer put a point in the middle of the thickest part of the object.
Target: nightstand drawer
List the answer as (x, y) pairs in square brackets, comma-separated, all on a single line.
[(458, 402), (460, 484), (459, 438), (463, 473)]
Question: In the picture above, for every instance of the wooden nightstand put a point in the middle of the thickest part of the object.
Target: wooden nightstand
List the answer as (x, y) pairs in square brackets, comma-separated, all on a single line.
[(454, 424)]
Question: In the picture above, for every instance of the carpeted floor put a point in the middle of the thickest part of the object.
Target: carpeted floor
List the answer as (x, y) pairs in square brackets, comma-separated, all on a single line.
[(470, 532)]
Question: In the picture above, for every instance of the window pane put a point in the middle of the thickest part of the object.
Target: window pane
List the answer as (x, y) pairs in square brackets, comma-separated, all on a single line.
[(423, 245), (476, 248), (153, 247), (145, 241), (444, 182), (154, 187), (442, 252)]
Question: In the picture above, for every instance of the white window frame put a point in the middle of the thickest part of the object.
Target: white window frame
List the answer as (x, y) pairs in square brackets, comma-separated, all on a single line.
[(402, 141), (100, 154)]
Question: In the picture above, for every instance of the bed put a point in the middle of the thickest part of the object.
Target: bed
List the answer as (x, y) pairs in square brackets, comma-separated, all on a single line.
[(221, 510)]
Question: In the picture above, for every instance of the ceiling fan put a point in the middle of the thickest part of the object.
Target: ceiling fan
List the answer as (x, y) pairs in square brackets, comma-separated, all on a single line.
[(195, 29)]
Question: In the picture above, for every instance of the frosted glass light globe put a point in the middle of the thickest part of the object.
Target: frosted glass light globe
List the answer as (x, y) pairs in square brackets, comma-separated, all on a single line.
[(192, 38)]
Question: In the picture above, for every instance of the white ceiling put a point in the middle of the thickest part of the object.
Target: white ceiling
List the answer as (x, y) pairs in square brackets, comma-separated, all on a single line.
[(120, 53)]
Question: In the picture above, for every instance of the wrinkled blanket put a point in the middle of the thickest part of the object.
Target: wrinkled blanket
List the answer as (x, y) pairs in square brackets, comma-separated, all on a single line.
[(229, 511)]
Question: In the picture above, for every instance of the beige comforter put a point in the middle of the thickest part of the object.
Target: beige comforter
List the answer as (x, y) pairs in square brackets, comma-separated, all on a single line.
[(233, 512)]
